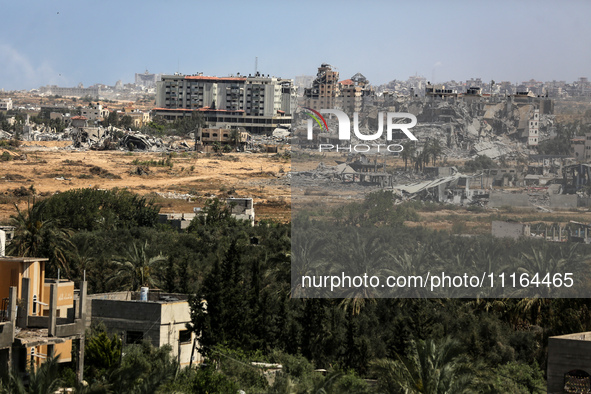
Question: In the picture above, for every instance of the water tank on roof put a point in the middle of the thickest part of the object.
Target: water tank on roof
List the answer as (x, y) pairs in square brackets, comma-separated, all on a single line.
[(144, 294)]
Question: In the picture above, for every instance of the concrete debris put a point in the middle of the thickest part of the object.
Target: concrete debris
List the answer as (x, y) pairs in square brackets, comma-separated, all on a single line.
[(136, 142), (177, 196)]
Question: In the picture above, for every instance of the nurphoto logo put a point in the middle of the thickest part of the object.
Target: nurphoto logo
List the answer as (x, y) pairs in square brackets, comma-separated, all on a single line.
[(345, 129)]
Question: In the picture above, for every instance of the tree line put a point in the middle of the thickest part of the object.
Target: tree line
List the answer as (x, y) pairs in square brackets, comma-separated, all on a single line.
[(244, 308)]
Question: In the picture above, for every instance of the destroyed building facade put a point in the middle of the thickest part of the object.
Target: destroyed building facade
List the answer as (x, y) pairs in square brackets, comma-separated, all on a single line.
[(328, 92)]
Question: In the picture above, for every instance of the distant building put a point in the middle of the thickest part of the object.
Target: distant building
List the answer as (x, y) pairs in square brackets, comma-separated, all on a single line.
[(328, 92), (79, 91), (206, 137), (534, 128), (352, 92), (79, 121), (146, 79), (581, 147), (324, 90), (242, 209), (303, 82), (138, 118), (258, 103), (97, 113), (6, 104), (440, 91)]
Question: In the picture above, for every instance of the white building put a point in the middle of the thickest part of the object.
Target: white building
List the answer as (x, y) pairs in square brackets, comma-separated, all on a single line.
[(534, 129), (6, 104), (257, 103)]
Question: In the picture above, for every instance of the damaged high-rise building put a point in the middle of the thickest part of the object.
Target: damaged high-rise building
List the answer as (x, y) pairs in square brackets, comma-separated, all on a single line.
[(328, 92)]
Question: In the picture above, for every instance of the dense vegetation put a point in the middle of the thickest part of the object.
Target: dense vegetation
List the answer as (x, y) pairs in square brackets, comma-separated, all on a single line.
[(243, 274)]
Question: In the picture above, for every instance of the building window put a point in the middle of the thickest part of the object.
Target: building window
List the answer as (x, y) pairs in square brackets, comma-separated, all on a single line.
[(185, 336), (134, 337)]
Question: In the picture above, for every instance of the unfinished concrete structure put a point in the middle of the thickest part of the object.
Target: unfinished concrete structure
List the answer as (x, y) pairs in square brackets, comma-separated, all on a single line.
[(569, 363), (48, 321), (160, 318), (580, 233)]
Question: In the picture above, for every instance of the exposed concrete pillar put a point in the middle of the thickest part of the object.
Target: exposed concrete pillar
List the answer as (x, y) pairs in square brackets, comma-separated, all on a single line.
[(24, 313), (12, 295), (81, 341), (82, 310), (52, 310), (80, 361)]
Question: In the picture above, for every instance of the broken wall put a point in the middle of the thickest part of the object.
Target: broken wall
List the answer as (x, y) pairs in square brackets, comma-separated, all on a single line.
[(564, 201), (499, 199), (509, 230)]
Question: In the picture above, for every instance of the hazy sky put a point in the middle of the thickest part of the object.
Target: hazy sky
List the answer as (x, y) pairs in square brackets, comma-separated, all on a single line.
[(67, 42)]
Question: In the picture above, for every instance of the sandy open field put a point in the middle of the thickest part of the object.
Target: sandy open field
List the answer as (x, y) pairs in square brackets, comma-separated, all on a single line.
[(50, 167)]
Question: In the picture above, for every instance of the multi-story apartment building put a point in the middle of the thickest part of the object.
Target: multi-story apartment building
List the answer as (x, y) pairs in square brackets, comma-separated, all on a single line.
[(257, 103)]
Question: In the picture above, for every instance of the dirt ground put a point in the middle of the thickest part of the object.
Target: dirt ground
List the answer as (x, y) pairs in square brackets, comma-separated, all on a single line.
[(50, 167)]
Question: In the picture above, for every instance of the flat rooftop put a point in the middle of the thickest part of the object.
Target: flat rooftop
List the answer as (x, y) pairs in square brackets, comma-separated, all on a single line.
[(578, 336), (8, 259)]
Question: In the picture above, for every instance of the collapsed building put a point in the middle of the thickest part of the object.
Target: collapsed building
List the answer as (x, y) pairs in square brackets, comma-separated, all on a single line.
[(453, 189)]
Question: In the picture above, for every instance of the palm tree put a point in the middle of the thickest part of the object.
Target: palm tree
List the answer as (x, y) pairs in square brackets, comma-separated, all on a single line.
[(435, 150), (42, 381), (408, 153), (305, 260), (133, 268), (81, 257), (430, 367), (358, 255), (236, 137), (36, 236)]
